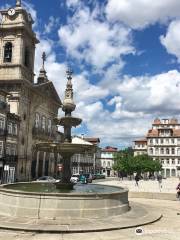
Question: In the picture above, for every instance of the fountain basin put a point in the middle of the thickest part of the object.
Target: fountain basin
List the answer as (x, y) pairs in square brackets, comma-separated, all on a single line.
[(104, 201)]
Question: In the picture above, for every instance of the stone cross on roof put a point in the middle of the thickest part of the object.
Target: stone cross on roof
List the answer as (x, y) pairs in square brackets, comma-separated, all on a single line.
[(18, 3)]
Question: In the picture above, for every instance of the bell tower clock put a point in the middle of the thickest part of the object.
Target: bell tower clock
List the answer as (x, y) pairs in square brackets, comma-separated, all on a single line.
[(17, 45)]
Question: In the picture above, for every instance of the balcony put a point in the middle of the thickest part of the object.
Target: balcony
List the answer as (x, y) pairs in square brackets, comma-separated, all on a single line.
[(41, 134), (9, 159), (2, 132)]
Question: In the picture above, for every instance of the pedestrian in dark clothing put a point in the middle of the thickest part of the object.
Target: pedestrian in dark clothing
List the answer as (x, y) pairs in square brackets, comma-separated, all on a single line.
[(178, 191), (159, 178), (137, 178)]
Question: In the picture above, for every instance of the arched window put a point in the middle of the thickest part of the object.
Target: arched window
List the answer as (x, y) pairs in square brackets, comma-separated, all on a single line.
[(8, 52)]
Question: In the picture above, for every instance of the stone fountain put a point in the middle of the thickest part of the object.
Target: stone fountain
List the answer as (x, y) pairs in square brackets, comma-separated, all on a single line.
[(67, 149)]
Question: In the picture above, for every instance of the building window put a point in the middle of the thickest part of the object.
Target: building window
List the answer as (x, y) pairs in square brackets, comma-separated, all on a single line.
[(43, 123), (167, 140), (156, 151), (8, 52), (156, 141), (151, 151), (178, 151), (167, 161), (173, 151), (2, 123), (172, 140), (104, 164), (167, 150), (9, 128), (173, 162), (151, 141), (14, 129), (49, 125), (1, 149), (8, 150), (37, 120), (162, 141), (13, 150), (109, 164), (178, 161), (162, 161), (162, 150)]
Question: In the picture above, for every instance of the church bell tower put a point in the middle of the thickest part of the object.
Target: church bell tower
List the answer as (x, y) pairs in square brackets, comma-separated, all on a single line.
[(17, 45)]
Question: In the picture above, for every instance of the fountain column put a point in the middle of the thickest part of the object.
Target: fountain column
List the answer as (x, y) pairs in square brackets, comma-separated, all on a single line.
[(68, 122)]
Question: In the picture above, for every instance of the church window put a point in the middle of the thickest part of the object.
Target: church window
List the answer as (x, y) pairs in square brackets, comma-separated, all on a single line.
[(1, 149), (43, 123), (37, 119), (8, 52), (26, 57), (49, 125)]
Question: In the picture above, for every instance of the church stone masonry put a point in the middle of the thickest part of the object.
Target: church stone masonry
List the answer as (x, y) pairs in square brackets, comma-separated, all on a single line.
[(36, 104)]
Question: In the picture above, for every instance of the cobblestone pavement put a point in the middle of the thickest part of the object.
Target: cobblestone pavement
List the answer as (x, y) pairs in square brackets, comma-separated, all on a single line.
[(168, 228)]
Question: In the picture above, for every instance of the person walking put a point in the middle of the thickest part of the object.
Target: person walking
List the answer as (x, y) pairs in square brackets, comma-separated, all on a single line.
[(159, 178), (137, 178), (178, 191)]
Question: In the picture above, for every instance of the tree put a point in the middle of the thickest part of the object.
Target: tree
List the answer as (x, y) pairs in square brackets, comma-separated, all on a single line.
[(127, 163)]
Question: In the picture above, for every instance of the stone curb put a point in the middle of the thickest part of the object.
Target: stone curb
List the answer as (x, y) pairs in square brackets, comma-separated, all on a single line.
[(144, 216)]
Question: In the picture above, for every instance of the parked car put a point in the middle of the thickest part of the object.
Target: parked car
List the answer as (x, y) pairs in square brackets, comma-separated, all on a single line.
[(75, 178), (88, 177), (47, 179), (99, 176)]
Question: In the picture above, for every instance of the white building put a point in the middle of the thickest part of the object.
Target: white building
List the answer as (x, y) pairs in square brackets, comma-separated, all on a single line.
[(107, 160), (163, 143), (89, 161)]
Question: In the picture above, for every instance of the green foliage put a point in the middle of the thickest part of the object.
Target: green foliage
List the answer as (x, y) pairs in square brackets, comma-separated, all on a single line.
[(129, 164)]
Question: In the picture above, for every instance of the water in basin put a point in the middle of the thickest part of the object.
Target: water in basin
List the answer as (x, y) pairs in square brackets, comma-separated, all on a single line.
[(51, 188)]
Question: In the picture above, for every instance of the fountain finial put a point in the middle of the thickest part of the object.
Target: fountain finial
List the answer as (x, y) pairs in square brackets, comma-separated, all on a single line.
[(68, 103), (18, 3)]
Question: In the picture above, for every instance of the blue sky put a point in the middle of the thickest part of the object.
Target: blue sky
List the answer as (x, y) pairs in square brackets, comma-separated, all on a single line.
[(125, 55)]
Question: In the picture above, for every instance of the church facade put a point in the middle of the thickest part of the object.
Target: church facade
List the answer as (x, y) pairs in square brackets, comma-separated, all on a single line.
[(36, 104)]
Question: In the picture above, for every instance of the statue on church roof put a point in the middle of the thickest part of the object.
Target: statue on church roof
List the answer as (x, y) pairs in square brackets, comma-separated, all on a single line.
[(18, 3)]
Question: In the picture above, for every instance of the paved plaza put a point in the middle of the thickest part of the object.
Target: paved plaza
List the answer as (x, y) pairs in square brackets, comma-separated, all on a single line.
[(167, 228), (167, 186)]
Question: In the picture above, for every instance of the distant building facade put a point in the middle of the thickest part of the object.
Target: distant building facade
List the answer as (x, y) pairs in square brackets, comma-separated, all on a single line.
[(163, 143), (107, 160), (88, 162)]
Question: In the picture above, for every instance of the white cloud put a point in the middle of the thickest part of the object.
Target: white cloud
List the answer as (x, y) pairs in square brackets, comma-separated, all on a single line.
[(53, 22), (171, 40), (96, 42), (140, 13)]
